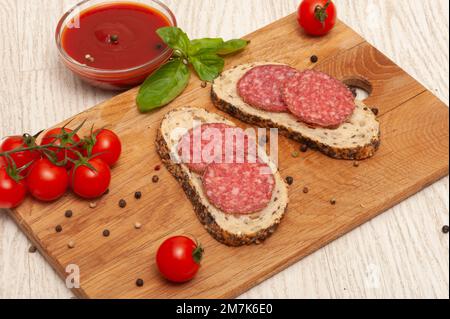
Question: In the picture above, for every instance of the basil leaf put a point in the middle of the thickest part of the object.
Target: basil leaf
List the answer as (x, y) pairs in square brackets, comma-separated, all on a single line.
[(205, 45), (163, 86), (232, 46), (208, 65), (175, 38)]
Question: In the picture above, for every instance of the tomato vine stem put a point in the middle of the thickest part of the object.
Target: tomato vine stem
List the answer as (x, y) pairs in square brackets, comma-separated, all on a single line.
[(48, 150), (37, 148), (321, 12)]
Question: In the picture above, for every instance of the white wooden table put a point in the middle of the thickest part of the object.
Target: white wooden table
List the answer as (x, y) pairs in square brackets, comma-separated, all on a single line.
[(401, 254)]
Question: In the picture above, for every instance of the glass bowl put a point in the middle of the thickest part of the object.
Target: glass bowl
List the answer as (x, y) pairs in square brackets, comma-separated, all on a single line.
[(121, 79)]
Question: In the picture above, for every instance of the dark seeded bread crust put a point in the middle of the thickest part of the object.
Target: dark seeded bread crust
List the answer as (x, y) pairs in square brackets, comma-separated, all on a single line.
[(356, 153), (201, 211)]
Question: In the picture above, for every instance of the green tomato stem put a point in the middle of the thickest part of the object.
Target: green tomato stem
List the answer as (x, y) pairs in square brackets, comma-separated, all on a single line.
[(321, 12), (36, 148)]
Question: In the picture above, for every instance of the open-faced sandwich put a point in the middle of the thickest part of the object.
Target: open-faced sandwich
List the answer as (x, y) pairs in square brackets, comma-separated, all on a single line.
[(310, 107), (236, 190)]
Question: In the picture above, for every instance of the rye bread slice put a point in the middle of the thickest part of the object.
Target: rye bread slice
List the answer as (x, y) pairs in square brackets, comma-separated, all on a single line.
[(356, 139), (231, 230)]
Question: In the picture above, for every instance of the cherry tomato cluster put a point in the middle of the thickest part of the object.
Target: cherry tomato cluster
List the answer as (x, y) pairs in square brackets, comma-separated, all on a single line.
[(61, 160)]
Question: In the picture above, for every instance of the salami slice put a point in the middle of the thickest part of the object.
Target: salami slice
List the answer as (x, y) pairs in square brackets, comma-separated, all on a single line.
[(215, 143), (261, 87), (239, 188), (318, 99)]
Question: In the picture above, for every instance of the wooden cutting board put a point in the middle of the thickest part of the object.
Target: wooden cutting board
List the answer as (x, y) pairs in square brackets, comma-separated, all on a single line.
[(414, 154)]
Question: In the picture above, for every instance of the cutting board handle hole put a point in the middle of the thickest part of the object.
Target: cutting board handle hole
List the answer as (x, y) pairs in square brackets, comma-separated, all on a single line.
[(362, 86)]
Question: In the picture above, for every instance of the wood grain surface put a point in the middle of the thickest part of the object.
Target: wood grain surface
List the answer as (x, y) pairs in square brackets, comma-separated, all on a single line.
[(400, 254)]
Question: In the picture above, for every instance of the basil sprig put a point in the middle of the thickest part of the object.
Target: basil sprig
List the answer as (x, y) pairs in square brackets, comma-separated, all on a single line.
[(169, 81)]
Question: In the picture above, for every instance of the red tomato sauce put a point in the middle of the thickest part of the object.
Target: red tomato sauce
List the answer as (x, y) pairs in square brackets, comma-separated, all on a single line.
[(116, 36)]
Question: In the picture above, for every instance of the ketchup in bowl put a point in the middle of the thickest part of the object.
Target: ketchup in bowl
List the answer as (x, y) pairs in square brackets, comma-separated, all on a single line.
[(113, 44)]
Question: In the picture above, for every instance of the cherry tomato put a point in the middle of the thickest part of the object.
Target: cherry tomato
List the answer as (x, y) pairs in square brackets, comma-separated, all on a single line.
[(23, 158), (62, 137), (46, 181), (104, 144), (90, 180), (12, 193), (317, 17), (178, 259)]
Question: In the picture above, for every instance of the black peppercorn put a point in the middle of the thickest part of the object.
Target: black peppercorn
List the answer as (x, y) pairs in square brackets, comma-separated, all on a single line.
[(122, 203), (106, 233), (58, 229), (306, 190), (375, 111), (140, 283), (445, 229), (155, 179), (333, 201), (68, 213), (314, 59), (32, 249), (289, 180), (304, 148), (114, 38), (138, 195)]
